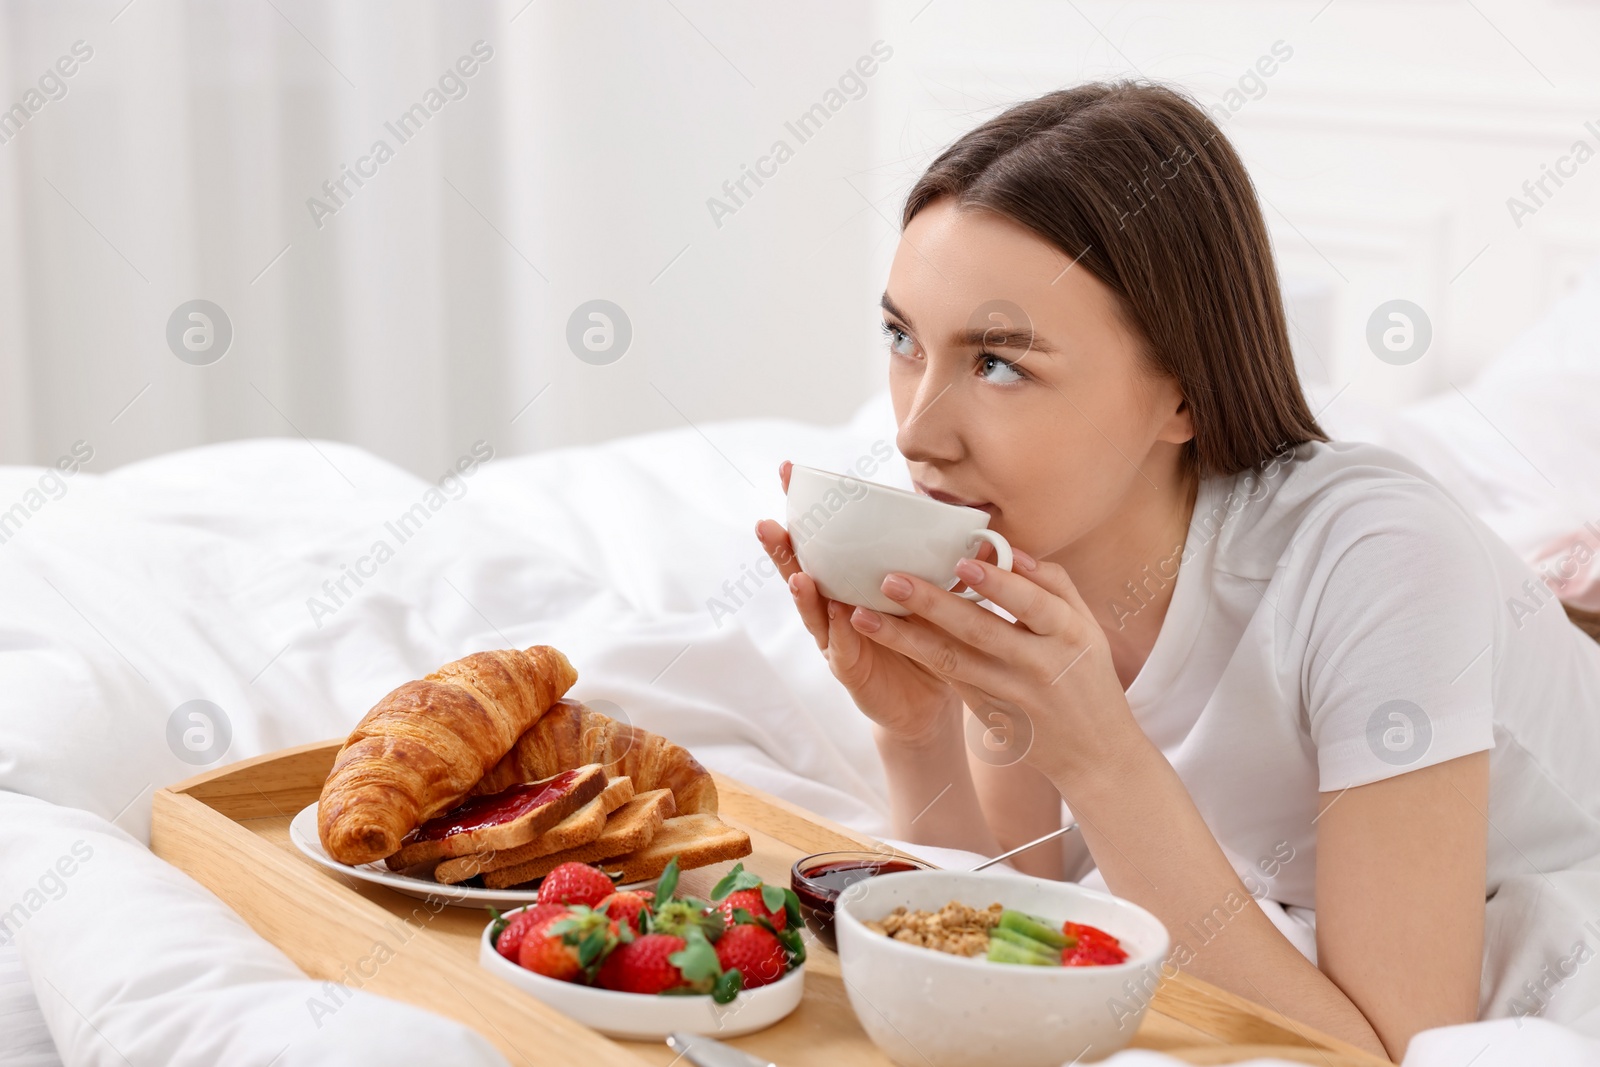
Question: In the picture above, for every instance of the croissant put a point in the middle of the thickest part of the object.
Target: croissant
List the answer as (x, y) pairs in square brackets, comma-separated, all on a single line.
[(572, 734), (422, 748)]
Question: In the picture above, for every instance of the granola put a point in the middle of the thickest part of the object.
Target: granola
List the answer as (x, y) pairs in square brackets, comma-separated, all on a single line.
[(956, 928)]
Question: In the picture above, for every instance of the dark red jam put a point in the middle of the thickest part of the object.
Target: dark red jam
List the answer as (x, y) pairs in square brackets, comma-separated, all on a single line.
[(818, 888), (495, 808)]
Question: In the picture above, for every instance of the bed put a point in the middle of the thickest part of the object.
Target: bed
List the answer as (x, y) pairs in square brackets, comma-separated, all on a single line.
[(243, 583)]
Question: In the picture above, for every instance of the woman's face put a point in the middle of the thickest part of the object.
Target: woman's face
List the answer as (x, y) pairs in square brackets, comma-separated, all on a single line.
[(1017, 386)]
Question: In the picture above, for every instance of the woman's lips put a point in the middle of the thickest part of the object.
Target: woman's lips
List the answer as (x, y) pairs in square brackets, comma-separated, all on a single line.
[(951, 498)]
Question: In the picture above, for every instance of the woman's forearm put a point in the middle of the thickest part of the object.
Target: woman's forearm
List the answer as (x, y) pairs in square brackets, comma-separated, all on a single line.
[(931, 796), (1020, 804), (1155, 849)]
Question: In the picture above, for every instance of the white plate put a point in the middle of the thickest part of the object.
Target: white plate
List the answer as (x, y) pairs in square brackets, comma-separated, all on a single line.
[(303, 832), (648, 1017)]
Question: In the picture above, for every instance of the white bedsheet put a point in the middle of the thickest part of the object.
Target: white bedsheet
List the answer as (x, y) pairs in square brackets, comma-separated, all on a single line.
[(188, 577)]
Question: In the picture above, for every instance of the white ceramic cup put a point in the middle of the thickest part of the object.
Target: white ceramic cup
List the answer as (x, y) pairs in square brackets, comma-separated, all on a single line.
[(848, 534)]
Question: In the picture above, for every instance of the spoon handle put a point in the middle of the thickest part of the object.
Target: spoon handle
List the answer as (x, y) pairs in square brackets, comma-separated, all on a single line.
[(1023, 848)]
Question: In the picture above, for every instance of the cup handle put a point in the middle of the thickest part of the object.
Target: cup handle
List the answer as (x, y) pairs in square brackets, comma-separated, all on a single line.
[(1002, 556)]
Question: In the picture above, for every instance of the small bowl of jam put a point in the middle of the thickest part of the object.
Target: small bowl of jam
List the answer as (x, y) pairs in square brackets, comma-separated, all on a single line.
[(819, 880)]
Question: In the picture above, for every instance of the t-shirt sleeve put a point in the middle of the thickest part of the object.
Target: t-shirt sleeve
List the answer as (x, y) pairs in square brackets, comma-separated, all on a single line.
[(1400, 645)]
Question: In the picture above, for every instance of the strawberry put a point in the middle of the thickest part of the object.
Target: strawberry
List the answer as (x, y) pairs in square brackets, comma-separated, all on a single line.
[(751, 901), (568, 945), (755, 952), (510, 939), (742, 890), (1090, 946), (665, 963), (575, 883), (642, 965), (624, 907)]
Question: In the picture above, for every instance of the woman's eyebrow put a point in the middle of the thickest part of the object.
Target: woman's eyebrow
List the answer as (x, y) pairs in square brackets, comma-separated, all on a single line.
[(1021, 338)]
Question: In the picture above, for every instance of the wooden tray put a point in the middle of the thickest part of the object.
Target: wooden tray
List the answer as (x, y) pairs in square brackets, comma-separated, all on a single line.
[(229, 829)]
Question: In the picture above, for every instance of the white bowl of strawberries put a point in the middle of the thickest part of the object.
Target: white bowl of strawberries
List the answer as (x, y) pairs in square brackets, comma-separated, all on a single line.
[(640, 965)]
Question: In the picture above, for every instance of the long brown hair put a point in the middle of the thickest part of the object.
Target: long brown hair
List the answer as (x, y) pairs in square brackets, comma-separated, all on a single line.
[(1138, 185)]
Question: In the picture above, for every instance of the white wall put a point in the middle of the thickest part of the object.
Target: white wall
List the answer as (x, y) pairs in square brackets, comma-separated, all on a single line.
[(431, 308), (1385, 146)]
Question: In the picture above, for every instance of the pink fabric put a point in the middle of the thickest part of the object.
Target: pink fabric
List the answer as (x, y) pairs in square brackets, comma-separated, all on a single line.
[(1570, 566)]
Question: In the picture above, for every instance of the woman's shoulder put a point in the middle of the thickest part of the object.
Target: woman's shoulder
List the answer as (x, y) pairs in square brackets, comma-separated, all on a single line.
[(1320, 497)]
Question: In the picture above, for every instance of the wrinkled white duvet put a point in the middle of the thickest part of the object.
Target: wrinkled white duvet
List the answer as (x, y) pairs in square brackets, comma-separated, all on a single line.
[(290, 585), (222, 574)]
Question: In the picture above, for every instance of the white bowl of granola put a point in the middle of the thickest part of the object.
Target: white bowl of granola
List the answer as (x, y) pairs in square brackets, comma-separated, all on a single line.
[(930, 1007)]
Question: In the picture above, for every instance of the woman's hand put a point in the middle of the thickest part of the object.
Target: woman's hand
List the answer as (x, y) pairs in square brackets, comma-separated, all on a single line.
[(1052, 667), (907, 701)]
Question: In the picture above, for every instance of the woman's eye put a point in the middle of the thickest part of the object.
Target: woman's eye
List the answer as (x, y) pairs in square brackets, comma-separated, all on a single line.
[(900, 342), (994, 369)]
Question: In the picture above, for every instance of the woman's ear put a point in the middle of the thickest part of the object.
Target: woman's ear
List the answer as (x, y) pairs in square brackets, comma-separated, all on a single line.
[(1179, 426)]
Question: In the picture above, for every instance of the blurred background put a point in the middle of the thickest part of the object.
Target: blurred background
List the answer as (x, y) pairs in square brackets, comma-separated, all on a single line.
[(539, 157)]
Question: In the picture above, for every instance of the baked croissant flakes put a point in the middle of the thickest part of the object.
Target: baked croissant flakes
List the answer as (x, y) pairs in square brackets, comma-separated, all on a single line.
[(673, 812), (423, 748), (572, 734)]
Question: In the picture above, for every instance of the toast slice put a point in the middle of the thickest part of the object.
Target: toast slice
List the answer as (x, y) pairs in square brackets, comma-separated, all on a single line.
[(697, 840), (581, 827), (630, 828), (511, 817)]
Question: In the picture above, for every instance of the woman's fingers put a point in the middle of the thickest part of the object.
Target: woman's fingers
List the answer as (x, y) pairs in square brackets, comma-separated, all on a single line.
[(812, 605), (845, 645), (972, 625), (783, 473), (775, 541), (807, 599), (934, 648), (1033, 598), (986, 553), (1054, 578)]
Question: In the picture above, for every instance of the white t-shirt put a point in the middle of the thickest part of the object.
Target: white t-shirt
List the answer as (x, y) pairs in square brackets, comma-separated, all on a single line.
[(1339, 619)]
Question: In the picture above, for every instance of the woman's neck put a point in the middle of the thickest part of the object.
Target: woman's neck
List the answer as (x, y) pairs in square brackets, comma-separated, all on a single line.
[(1127, 568)]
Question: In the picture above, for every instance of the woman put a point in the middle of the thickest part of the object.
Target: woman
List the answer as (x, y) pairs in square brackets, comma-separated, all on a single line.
[(1250, 660)]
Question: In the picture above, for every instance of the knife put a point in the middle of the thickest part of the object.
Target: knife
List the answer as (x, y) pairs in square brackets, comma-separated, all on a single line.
[(705, 1051)]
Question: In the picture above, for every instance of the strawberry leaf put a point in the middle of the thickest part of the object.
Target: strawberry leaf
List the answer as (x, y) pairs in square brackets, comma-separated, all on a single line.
[(680, 916), (727, 985), (735, 880), (697, 960), (591, 947), (498, 926), (773, 897), (669, 881), (794, 944), (724, 884), (791, 906), (743, 915)]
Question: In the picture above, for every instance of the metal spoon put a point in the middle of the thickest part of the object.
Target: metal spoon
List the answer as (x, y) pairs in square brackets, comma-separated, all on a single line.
[(1023, 848)]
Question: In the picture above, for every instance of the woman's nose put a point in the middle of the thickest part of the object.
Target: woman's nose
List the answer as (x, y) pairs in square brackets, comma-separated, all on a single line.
[(930, 432)]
